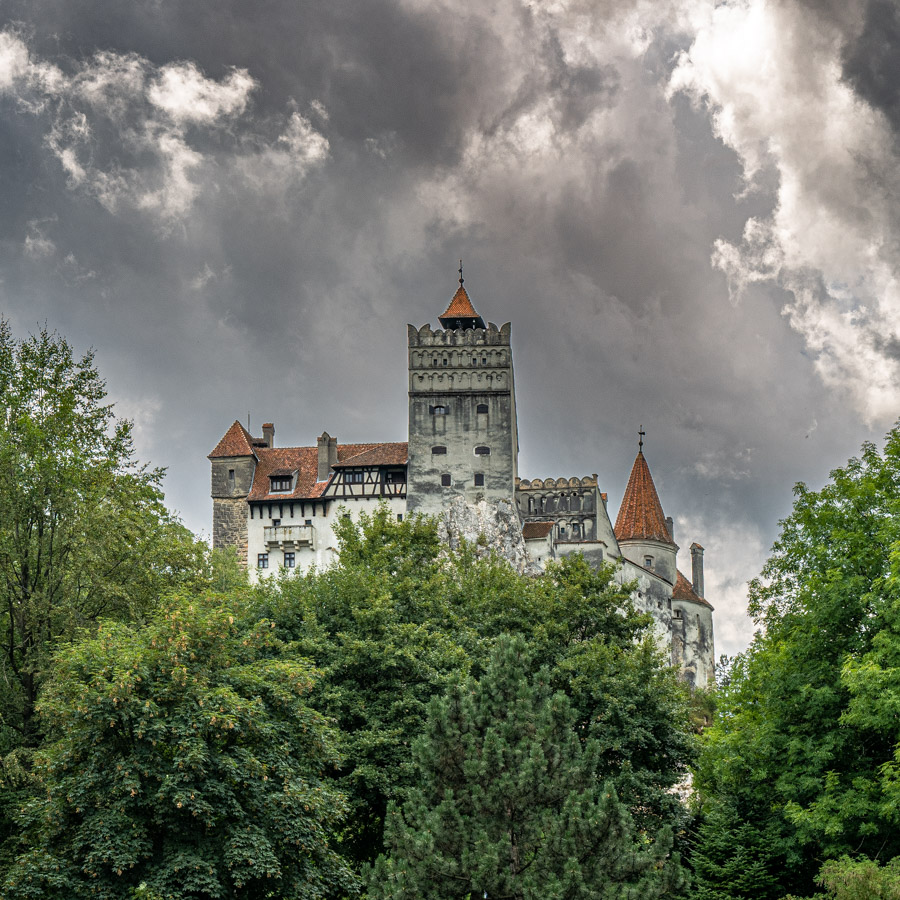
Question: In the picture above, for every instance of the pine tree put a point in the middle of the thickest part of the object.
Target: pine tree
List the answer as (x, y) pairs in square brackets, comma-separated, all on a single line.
[(508, 803)]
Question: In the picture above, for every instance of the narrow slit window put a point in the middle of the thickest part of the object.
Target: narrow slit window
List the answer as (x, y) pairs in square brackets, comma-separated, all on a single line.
[(479, 479)]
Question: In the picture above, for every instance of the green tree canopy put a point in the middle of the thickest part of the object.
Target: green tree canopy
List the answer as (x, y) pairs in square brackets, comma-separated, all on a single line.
[(508, 804), (83, 529), (184, 756), (799, 765), (399, 617)]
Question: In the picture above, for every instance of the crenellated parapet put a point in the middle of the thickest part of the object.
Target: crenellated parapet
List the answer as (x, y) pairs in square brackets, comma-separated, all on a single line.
[(550, 484), (426, 336)]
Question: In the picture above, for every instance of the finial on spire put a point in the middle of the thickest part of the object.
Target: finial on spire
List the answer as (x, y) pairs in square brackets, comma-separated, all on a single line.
[(641, 435), (460, 272)]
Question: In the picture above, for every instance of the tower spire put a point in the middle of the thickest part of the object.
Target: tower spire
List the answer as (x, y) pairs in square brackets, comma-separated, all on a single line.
[(641, 435), (460, 314)]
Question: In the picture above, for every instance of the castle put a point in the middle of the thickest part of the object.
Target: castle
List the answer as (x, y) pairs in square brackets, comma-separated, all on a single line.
[(277, 505)]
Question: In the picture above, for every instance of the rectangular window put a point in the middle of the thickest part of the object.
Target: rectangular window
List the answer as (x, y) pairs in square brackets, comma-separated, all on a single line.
[(481, 408), (355, 477), (280, 484), (262, 560), (289, 560), (395, 476), (231, 478), (438, 451), (479, 479), (648, 562), (482, 451), (399, 517), (445, 481), (307, 521), (276, 522)]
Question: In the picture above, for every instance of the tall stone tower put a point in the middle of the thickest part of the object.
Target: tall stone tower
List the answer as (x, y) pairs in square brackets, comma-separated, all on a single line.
[(463, 439)]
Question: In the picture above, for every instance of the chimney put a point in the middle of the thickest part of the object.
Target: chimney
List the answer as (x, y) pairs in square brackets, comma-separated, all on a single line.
[(269, 434), (327, 446), (670, 524), (697, 568)]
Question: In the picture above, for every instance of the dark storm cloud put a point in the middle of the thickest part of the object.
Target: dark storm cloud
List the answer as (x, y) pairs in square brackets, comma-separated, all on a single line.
[(265, 256)]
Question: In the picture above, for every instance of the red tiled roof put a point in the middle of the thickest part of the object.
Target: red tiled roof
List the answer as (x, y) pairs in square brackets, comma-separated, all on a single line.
[(305, 461), (460, 306), (236, 442), (532, 530), (684, 590), (378, 455), (641, 515)]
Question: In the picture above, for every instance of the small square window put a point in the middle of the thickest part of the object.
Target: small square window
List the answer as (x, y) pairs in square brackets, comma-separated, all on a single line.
[(276, 523), (307, 521), (445, 481), (481, 408), (479, 479), (439, 451), (262, 560), (648, 562), (482, 451), (289, 560)]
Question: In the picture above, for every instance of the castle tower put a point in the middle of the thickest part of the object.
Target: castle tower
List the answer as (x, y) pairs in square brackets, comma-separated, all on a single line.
[(643, 533), (233, 467), (463, 439)]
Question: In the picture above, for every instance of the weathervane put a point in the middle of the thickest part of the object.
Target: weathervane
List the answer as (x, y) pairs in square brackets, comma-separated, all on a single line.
[(460, 272), (641, 434)]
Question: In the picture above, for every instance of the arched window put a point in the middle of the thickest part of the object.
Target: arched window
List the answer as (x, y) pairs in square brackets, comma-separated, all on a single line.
[(481, 408), (439, 410)]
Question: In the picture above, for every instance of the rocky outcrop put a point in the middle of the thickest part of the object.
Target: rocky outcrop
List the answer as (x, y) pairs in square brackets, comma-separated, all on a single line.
[(489, 528)]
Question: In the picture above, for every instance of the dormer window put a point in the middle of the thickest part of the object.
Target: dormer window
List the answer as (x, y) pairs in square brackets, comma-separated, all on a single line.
[(281, 481)]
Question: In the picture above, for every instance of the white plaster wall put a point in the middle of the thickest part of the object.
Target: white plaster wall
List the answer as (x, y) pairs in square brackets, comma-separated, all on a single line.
[(325, 542)]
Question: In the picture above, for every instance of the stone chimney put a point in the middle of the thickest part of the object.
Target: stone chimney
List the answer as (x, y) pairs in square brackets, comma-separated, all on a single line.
[(697, 569), (327, 455), (670, 524), (269, 434)]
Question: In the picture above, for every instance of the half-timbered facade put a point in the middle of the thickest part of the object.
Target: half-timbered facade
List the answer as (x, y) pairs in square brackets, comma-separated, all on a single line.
[(277, 506)]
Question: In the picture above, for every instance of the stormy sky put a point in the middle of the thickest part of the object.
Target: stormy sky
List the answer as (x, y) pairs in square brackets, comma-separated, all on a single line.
[(687, 208)]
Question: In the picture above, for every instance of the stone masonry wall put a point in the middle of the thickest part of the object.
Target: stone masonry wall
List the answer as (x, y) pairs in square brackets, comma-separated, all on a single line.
[(230, 525)]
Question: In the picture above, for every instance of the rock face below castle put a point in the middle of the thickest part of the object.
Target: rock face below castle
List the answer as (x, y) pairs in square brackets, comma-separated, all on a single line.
[(277, 506)]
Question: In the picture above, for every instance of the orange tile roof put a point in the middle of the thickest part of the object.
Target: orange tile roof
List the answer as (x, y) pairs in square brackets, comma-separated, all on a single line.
[(684, 590), (460, 306), (237, 441), (378, 455), (531, 530), (641, 515), (305, 461)]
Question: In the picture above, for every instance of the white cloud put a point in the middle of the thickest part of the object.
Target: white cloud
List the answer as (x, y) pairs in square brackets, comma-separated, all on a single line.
[(130, 134), (186, 96), (770, 76)]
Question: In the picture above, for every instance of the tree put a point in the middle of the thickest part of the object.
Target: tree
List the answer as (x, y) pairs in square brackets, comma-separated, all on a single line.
[(84, 532), (400, 617), (183, 757), (508, 804), (805, 731)]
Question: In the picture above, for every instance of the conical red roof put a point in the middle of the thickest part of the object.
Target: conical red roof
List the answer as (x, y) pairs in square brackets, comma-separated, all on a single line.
[(236, 442), (460, 306), (641, 515)]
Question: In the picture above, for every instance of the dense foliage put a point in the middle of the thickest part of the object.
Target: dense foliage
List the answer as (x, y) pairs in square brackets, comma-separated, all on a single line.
[(182, 756), (397, 619), (507, 802), (802, 766)]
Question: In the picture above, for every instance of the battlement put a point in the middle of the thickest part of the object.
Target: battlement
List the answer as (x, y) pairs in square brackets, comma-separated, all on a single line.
[(523, 484), (428, 337)]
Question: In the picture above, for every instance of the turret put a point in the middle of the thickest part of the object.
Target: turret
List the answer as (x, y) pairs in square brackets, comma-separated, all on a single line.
[(641, 527), (233, 464)]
